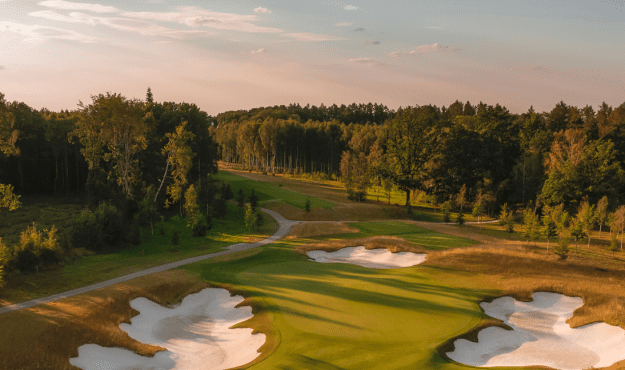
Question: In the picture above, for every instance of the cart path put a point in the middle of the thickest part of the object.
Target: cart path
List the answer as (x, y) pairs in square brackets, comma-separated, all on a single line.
[(283, 230)]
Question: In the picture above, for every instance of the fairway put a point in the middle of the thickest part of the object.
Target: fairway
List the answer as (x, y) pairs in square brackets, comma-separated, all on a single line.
[(267, 191), (340, 316), (427, 239)]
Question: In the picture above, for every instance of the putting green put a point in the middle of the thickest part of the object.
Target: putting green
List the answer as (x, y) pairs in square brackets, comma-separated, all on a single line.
[(340, 316)]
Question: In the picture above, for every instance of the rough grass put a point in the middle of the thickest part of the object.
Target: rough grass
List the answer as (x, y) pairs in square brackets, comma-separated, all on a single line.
[(270, 191), (156, 250), (44, 211), (307, 230), (47, 336)]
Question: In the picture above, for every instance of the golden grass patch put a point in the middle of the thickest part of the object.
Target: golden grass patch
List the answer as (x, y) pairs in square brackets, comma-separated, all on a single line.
[(307, 230), (392, 243), (47, 336), (293, 213)]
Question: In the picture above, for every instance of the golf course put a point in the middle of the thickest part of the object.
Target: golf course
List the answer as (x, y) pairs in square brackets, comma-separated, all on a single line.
[(310, 315)]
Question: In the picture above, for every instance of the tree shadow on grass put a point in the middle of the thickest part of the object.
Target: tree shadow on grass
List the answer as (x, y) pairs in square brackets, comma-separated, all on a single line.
[(305, 362)]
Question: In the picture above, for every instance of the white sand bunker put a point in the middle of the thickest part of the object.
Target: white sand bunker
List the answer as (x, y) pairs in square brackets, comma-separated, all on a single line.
[(373, 258), (541, 337), (196, 335)]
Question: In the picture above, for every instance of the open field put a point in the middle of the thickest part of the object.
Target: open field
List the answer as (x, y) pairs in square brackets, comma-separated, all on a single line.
[(155, 250), (344, 209)]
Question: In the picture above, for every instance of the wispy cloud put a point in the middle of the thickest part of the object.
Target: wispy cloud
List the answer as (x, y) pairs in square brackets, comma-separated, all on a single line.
[(68, 5), (350, 7), (1, 68), (311, 37), (359, 29), (343, 24), (372, 42), (368, 61), (142, 27), (42, 33), (260, 9), (423, 49), (259, 51)]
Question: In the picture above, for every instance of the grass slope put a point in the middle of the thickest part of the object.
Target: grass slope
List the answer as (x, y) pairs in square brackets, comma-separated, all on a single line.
[(339, 316), (269, 191), (155, 250)]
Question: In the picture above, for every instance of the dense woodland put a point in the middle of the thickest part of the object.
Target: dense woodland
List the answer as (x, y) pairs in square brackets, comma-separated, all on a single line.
[(134, 158)]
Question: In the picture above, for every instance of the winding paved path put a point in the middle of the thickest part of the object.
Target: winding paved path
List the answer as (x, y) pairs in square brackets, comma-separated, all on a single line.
[(283, 230)]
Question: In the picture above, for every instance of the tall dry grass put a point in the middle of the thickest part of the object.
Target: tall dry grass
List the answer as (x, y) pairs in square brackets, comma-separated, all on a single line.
[(47, 336)]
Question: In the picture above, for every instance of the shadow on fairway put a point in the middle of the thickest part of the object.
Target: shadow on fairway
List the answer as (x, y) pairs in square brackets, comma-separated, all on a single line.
[(305, 362)]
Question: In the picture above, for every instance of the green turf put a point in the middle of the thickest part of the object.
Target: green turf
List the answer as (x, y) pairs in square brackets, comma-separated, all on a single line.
[(340, 316), (425, 238), (155, 250), (267, 191)]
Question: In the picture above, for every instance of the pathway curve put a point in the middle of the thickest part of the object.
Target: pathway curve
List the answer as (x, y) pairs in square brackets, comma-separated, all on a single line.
[(283, 230)]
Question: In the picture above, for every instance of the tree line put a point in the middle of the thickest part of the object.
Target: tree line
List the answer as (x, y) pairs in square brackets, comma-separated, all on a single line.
[(564, 156)]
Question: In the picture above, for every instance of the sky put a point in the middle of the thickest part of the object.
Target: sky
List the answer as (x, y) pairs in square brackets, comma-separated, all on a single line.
[(240, 54)]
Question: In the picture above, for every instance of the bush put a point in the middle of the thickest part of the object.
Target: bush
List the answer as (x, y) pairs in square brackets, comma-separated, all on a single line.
[(100, 231), (562, 248), (36, 249), (201, 226), (221, 208)]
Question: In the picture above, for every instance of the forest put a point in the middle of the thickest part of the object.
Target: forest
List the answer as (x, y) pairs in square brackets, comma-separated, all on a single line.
[(133, 158)]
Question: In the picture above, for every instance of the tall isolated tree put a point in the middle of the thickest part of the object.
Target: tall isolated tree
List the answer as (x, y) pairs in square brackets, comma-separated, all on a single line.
[(586, 216), (602, 212), (618, 222), (409, 147), (113, 122), (179, 158)]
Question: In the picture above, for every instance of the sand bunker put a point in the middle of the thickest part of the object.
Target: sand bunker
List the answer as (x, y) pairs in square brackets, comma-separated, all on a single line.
[(380, 258), (541, 336), (196, 335)]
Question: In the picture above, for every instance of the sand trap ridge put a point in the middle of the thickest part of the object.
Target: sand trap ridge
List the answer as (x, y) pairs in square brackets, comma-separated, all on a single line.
[(196, 335), (380, 258), (541, 336)]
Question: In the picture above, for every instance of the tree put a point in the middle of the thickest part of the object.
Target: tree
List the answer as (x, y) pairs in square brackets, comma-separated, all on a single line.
[(447, 211), (586, 215), (241, 199), (226, 192), (613, 244), (191, 207), (601, 212), (618, 222), (562, 248), (8, 199), (253, 200), (8, 134), (149, 98), (307, 206), (506, 219), (147, 209), (530, 220), (577, 229), (113, 122), (221, 208), (460, 219), (550, 228), (461, 197), (409, 146), (250, 218), (478, 206), (179, 157)]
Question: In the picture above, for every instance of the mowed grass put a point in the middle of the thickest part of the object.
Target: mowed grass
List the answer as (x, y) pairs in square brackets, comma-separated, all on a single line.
[(340, 316), (427, 239), (155, 250), (269, 191)]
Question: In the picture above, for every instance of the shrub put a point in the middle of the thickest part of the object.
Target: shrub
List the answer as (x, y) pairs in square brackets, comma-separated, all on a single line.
[(562, 248), (201, 226), (36, 249), (101, 230)]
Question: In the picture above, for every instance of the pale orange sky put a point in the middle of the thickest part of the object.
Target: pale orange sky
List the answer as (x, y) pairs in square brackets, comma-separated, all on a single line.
[(225, 55)]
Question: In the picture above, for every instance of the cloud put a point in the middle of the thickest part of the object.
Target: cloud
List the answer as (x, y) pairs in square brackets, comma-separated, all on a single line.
[(423, 49), (368, 61), (260, 9), (434, 27), (359, 29), (350, 7), (343, 24), (198, 17), (261, 50), (68, 5), (142, 27), (42, 33), (311, 37), (1, 68), (372, 42)]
